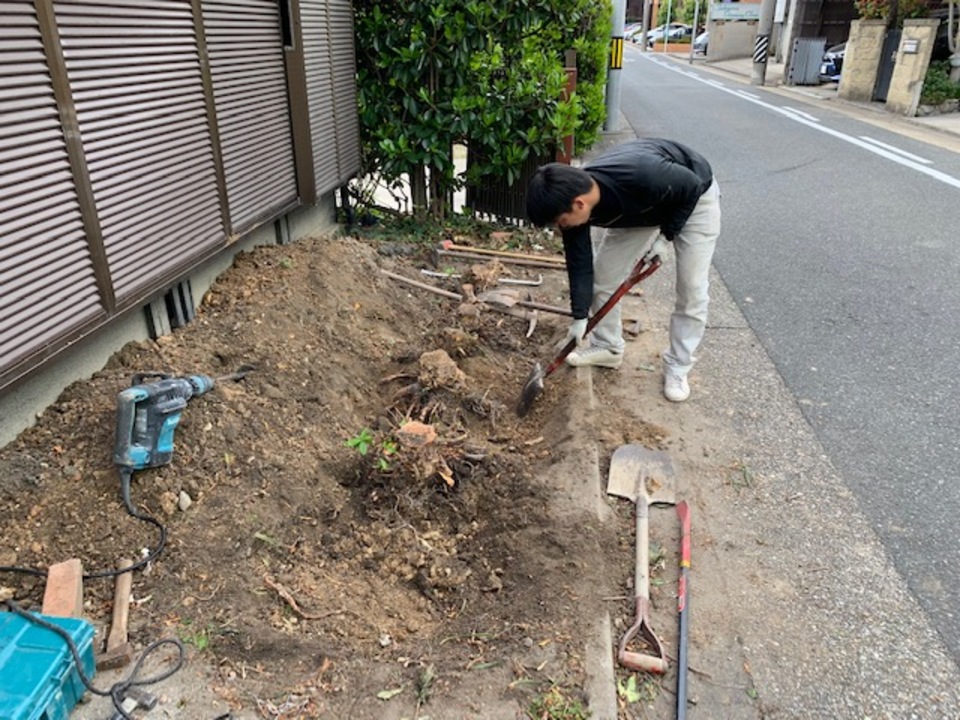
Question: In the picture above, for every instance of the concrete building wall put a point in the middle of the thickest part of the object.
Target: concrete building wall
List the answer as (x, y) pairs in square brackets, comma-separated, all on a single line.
[(731, 39), (21, 404)]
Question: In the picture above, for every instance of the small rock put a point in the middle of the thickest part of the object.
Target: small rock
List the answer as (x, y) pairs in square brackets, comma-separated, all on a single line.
[(494, 583), (168, 503), (385, 640), (184, 501), (272, 392), (437, 369)]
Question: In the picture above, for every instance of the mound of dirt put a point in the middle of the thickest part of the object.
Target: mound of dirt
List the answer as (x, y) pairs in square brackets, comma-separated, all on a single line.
[(364, 498)]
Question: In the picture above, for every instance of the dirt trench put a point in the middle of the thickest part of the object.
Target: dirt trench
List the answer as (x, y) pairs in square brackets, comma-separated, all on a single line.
[(360, 514)]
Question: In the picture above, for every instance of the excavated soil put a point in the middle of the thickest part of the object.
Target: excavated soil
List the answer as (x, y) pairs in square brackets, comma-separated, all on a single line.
[(313, 579)]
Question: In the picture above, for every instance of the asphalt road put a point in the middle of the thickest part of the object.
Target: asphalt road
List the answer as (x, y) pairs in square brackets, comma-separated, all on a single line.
[(841, 245)]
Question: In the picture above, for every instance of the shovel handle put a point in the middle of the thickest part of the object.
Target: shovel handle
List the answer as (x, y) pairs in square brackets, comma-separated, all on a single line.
[(642, 570), (642, 270)]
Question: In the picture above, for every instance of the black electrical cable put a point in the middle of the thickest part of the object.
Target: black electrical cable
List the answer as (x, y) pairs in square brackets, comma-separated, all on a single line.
[(116, 691), (126, 474)]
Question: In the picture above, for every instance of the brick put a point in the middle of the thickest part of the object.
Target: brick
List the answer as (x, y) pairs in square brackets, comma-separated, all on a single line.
[(63, 596)]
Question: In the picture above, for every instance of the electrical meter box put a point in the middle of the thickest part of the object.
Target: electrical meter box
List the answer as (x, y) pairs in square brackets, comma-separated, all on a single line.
[(39, 679)]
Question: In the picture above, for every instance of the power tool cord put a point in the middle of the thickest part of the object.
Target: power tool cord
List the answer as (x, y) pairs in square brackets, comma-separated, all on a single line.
[(116, 691), (126, 475)]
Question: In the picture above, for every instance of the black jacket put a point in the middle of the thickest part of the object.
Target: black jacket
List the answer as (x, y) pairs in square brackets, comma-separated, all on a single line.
[(643, 183)]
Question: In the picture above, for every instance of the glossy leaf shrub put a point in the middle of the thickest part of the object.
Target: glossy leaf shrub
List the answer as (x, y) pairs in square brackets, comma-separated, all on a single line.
[(490, 74)]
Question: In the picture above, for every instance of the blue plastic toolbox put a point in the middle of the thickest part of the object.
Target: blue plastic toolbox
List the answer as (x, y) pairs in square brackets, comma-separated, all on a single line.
[(38, 674)]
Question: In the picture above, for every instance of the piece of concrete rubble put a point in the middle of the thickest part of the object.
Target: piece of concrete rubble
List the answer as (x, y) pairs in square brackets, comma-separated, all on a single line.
[(416, 434), (437, 369)]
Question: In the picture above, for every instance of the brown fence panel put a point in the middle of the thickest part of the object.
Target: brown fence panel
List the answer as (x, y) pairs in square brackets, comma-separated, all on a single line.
[(331, 90), (494, 199), (134, 70), (245, 48), (47, 280)]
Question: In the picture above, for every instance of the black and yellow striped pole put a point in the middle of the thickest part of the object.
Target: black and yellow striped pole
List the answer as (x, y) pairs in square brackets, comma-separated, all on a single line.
[(612, 122)]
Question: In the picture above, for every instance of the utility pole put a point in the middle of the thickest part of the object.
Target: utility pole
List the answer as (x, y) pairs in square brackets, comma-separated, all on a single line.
[(612, 122), (696, 27), (762, 44), (645, 24)]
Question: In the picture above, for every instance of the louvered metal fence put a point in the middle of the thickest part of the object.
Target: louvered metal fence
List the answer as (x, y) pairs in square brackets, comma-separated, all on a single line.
[(805, 60), (138, 139)]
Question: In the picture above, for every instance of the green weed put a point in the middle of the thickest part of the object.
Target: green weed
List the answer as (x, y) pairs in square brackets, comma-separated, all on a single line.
[(555, 705), (200, 638), (361, 442)]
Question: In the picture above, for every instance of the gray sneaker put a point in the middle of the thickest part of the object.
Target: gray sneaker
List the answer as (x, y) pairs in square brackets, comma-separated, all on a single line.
[(675, 387), (598, 356)]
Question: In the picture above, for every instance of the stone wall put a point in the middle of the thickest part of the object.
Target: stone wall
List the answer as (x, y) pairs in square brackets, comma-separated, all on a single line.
[(862, 60), (913, 59)]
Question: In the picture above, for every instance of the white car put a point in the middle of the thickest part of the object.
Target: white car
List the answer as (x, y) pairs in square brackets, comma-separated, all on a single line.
[(675, 32)]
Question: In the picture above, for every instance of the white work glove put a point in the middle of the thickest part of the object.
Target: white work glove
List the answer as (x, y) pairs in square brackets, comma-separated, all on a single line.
[(658, 248), (576, 331)]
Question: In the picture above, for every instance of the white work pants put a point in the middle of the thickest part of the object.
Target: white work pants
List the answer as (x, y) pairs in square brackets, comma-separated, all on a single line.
[(618, 251)]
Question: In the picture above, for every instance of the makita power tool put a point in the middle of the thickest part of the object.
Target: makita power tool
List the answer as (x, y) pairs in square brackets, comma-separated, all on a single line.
[(149, 412)]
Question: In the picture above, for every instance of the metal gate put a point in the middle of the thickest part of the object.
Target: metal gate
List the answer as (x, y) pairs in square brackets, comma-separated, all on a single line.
[(805, 60), (888, 58)]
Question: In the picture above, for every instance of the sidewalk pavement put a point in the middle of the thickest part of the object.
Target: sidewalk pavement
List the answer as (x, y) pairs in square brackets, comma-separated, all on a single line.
[(775, 77), (797, 611)]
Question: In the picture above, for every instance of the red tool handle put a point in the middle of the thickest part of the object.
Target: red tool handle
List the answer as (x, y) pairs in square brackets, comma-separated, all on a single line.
[(683, 512), (642, 270)]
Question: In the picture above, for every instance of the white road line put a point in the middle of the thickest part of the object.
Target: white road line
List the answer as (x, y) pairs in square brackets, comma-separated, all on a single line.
[(891, 148), (748, 95), (801, 113), (893, 156)]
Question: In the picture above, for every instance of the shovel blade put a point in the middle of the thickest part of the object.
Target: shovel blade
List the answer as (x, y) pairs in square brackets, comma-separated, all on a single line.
[(531, 390), (637, 472)]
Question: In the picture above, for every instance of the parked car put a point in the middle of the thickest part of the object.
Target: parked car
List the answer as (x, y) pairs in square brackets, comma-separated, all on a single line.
[(632, 32), (635, 33), (832, 64), (675, 32), (700, 43)]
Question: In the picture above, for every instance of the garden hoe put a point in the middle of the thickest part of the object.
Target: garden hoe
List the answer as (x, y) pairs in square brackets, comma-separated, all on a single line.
[(534, 385), (645, 477)]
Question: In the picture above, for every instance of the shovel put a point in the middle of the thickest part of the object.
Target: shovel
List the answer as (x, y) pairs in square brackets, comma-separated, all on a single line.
[(534, 385), (645, 477)]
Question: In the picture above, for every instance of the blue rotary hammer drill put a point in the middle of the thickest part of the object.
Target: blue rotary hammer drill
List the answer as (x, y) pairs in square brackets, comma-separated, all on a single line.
[(147, 415), (149, 412)]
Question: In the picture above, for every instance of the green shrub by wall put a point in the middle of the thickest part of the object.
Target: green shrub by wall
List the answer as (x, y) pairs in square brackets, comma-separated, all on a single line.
[(488, 73)]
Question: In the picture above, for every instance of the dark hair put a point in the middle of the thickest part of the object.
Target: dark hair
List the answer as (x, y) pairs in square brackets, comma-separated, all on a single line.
[(552, 190)]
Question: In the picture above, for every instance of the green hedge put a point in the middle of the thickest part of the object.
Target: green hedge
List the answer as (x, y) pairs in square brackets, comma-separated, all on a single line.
[(485, 73)]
